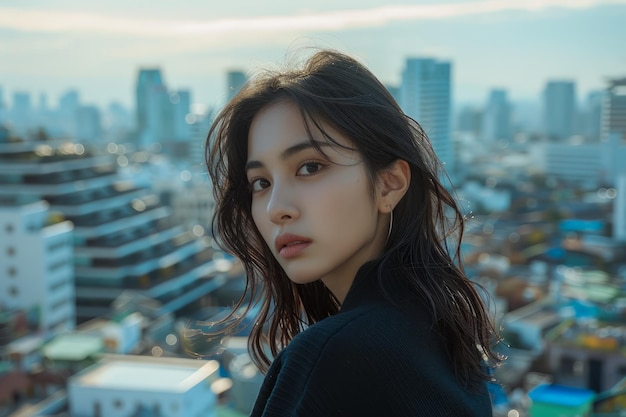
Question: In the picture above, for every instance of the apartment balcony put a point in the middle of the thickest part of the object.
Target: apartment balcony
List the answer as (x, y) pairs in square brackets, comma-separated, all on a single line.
[(114, 221), (41, 189), (76, 206), (121, 246), (111, 272), (35, 165), (174, 288)]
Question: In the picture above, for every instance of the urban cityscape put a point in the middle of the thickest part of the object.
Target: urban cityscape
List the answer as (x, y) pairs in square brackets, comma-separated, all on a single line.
[(108, 267)]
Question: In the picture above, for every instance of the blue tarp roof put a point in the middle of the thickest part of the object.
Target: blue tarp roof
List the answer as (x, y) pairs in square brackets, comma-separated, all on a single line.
[(561, 395)]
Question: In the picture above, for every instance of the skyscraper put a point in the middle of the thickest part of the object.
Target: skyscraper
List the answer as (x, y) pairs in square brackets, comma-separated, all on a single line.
[(21, 112), (619, 210), (592, 115), (425, 95), (153, 107), (614, 109), (559, 109), (496, 124), (235, 80)]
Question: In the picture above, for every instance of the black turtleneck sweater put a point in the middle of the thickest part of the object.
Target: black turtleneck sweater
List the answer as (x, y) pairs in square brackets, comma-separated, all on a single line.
[(373, 358)]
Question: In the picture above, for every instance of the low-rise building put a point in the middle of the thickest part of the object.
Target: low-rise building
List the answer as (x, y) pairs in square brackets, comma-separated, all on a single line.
[(126, 386)]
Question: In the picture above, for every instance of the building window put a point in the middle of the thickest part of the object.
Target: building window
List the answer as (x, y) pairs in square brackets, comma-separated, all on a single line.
[(13, 291), (9, 228), (118, 404), (10, 251), (12, 271)]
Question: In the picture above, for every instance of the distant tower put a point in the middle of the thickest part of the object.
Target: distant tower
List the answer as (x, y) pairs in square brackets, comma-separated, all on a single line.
[(68, 112), (181, 107), (21, 112), (235, 80), (88, 124), (3, 107), (592, 115), (619, 211), (614, 109), (497, 117), (425, 95), (153, 107), (559, 109)]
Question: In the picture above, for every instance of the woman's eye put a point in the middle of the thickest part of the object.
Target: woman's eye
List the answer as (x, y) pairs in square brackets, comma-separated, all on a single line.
[(309, 168), (259, 184)]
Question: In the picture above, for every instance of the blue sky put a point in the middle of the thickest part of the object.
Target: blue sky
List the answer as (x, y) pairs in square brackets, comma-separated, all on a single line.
[(97, 47)]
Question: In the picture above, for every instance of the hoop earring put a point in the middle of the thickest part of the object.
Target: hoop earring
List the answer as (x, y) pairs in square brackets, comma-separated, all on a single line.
[(390, 226)]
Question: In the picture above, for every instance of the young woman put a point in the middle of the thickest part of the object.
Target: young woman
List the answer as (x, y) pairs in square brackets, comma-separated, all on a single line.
[(330, 197)]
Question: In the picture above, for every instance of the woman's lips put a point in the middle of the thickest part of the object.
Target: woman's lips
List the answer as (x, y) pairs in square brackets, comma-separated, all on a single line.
[(289, 246)]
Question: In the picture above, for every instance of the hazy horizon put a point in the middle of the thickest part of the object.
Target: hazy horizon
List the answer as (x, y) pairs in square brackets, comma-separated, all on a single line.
[(99, 48)]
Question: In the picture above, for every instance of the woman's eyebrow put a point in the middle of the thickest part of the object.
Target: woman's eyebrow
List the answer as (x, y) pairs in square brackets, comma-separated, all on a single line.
[(287, 153)]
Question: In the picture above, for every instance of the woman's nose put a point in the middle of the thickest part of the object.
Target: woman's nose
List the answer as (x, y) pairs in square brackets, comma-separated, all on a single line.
[(281, 206)]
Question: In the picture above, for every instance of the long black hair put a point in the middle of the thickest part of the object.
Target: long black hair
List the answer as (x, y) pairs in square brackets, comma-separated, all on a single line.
[(337, 90)]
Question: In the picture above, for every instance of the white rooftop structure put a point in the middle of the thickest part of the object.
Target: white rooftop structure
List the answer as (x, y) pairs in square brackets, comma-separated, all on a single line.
[(122, 386)]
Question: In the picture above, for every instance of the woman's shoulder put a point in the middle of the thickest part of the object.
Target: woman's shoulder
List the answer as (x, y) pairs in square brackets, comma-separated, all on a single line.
[(371, 329)]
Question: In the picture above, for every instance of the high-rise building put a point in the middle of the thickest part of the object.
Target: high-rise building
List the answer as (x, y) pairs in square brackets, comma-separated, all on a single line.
[(153, 107), (235, 80), (68, 109), (425, 95), (496, 124), (21, 112), (614, 109), (3, 107), (592, 115), (181, 106), (559, 109), (619, 210), (124, 238), (37, 263), (88, 124)]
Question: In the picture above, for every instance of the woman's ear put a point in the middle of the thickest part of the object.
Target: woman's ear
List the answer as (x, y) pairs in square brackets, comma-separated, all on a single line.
[(393, 184)]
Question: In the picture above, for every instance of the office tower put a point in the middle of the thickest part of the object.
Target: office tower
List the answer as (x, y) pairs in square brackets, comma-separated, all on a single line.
[(559, 109), (235, 80), (619, 209), (21, 112), (469, 120), (68, 108), (592, 115), (496, 124), (614, 109), (124, 239), (88, 124), (425, 95), (181, 106), (37, 275), (154, 119), (3, 107)]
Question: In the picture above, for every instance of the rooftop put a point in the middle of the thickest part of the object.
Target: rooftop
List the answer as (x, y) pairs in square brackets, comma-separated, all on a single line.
[(147, 374)]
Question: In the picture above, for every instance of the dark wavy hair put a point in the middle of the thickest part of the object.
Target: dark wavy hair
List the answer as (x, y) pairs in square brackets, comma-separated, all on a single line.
[(337, 90)]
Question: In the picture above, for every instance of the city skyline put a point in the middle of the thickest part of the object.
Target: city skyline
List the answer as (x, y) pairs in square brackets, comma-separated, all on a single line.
[(99, 48)]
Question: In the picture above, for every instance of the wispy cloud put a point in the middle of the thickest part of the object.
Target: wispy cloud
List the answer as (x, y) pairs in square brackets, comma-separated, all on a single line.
[(50, 21)]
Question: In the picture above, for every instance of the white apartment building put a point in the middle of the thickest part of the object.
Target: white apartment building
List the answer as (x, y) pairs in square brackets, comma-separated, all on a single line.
[(425, 95), (36, 261), (589, 164), (124, 238), (124, 386)]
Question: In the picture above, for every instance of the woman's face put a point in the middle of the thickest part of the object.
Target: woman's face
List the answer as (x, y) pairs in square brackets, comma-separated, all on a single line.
[(317, 213)]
